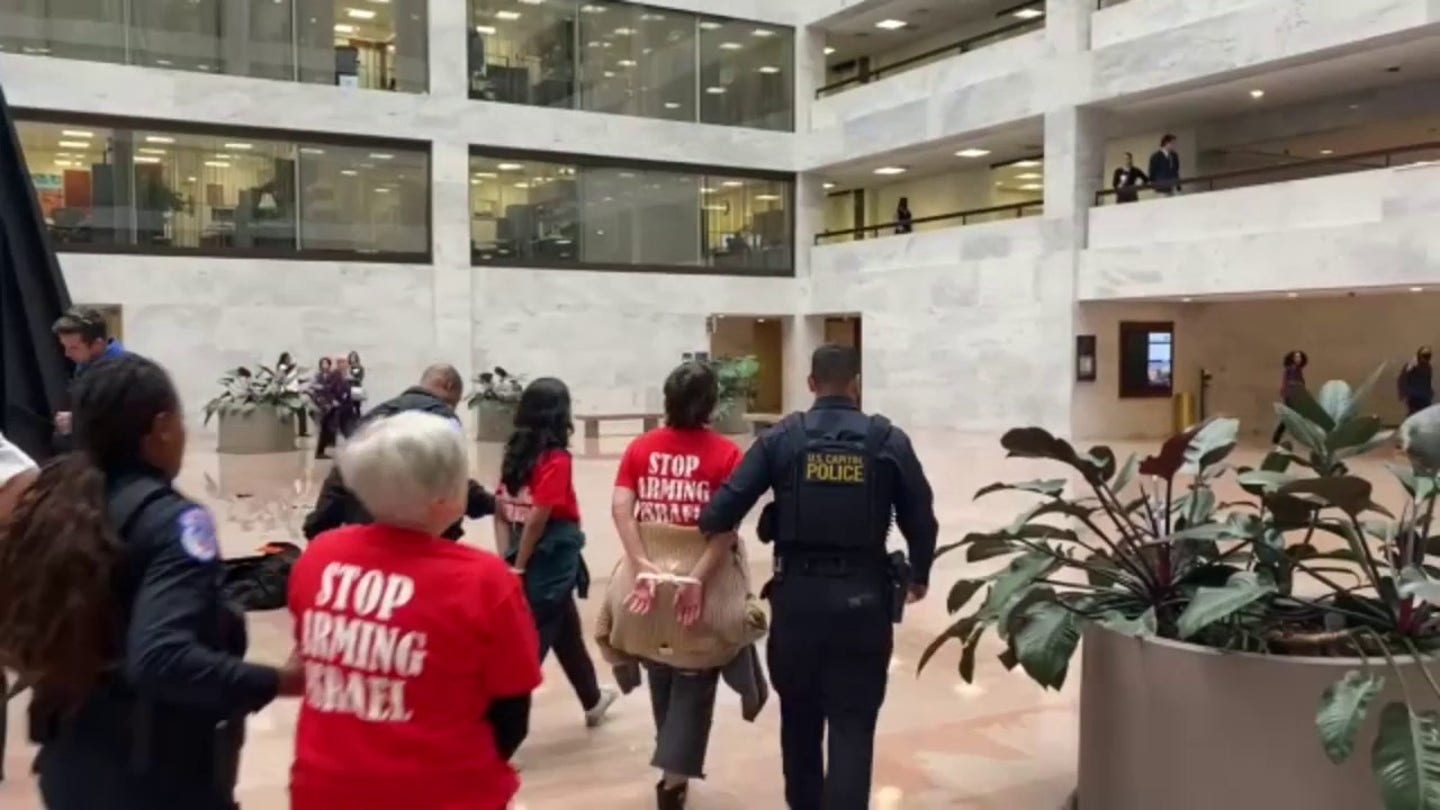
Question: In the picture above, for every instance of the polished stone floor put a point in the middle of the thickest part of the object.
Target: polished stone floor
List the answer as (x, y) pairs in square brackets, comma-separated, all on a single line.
[(1002, 744)]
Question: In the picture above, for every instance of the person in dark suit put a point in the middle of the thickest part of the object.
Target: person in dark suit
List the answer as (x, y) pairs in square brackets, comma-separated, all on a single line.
[(904, 220), (1165, 167), (1127, 181)]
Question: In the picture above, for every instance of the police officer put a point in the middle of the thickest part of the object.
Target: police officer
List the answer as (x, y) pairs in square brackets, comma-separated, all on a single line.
[(838, 477), (110, 604), (439, 393)]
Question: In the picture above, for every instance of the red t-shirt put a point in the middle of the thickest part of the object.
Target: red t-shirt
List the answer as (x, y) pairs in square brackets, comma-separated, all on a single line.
[(406, 640), (552, 484), (675, 472)]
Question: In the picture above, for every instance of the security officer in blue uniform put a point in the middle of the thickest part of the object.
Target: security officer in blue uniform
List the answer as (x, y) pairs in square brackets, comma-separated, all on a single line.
[(839, 476), (141, 690)]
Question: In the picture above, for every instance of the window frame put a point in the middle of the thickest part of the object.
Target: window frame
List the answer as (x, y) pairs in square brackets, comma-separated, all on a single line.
[(298, 137), (608, 162), (1128, 388)]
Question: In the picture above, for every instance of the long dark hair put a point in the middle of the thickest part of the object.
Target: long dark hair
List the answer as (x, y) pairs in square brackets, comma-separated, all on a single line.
[(542, 422), (691, 393), (59, 550)]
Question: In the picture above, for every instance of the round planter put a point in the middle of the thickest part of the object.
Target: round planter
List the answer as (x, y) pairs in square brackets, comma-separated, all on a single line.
[(494, 421), (1170, 725), (731, 422), (263, 430)]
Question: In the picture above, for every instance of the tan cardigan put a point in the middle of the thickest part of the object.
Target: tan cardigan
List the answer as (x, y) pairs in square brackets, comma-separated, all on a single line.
[(732, 617)]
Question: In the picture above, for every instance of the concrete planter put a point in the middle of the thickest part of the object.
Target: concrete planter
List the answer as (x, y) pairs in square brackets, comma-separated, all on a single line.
[(1170, 725), (732, 423), (494, 420), (263, 430)]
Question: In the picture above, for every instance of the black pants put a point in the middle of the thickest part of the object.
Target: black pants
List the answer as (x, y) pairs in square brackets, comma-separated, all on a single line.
[(829, 650), (558, 624), (328, 430), (73, 777), (1417, 404), (683, 702), (1279, 433)]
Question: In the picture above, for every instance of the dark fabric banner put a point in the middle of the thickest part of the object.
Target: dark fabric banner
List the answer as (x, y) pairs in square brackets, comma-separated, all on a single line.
[(33, 371)]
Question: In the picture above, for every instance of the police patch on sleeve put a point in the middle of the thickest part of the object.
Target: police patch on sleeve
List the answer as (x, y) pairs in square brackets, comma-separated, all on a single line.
[(197, 534)]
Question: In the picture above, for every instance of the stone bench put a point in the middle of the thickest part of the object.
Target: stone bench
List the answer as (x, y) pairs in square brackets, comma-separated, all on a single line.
[(761, 422), (592, 422)]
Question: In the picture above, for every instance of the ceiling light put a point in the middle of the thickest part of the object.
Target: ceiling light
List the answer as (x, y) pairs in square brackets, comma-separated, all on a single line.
[(1257, 93), (487, 175), (510, 167), (522, 185), (762, 32), (164, 62), (192, 179), (709, 25), (222, 157), (732, 183), (359, 13), (1292, 295), (533, 2), (609, 74), (475, 182), (1031, 187), (672, 105), (146, 159), (624, 32), (76, 133), (1327, 151), (63, 163), (767, 197), (1030, 176), (626, 63), (1026, 164), (651, 16), (769, 70), (890, 25), (829, 50), (344, 28), (381, 156), (489, 30), (706, 190), (215, 164), (311, 150), (890, 170), (1186, 300), (74, 144), (591, 8), (715, 91), (507, 15), (158, 139), (972, 153), (1417, 289), (381, 190), (827, 185), (1027, 13), (349, 172), (731, 46), (240, 146)]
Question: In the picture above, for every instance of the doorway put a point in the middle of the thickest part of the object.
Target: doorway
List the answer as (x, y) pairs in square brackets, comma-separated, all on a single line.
[(760, 337)]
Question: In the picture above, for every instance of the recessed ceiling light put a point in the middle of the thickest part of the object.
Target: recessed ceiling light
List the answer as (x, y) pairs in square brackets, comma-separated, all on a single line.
[(706, 190), (731, 46), (148, 159), (192, 179), (381, 156), (890, 25), (1032, 187), (1027, 13), (762, 32), (522, 185), (732, 183), (311, 150), (215, 164), (240, 146), (1327, 151), (76, 133), (715, 91), (74, 144), (222, 156), (1257, 93), (769, 69), (360, 13), (533, 2), (64, 163), (609, 74), (672, 105), (829, 50), (349, 172), (1354, 106), (1292, 295), (709, 25), (489, 30), (507, 15), (1186, 300), (652, 16), (344, 28), (972, 153), (890, 170), (487, 175), (1029, 176), (1026, 164), (624, 32), (158, 139), (381, 190), (827, 185), (510, 167), (626, 63), (767, 197)]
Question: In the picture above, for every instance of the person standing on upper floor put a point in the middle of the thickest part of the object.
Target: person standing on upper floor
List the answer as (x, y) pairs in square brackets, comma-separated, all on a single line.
[(904, 220), (1292, 384), (1127, 180), (839, 476), (85, 339), (1417, 384), (1165, 167)]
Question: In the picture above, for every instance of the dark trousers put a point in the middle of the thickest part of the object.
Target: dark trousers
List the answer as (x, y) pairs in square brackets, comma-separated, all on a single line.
[(328, 430), (829, 650), (558, 624), (1417, 404), (73, 777), (683, 702), (1279, 433)]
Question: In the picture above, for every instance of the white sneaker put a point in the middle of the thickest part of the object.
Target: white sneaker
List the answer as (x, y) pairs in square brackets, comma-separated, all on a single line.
[(595, 715)]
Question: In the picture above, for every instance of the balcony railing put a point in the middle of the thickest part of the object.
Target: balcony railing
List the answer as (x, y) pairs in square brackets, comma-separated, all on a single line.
[(1294, 170), (963, 46), (973, 216)]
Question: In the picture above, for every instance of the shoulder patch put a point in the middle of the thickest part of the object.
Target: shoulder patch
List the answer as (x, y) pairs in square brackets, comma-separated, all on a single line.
[(197, 534)]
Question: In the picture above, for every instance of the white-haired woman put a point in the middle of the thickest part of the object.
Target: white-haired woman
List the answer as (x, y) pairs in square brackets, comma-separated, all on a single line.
[(420, 654)]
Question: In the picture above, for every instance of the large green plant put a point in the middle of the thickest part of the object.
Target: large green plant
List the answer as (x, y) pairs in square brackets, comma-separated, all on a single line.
[(736, 377), (1149, 551), (243, 390)]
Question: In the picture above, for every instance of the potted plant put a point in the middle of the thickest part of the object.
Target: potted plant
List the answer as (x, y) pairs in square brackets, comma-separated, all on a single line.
[(1220, 636), (495, 400), (258, 409), (736, 377)]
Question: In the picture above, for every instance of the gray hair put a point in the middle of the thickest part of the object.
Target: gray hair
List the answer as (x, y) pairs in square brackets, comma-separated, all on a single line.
[(399, 465)]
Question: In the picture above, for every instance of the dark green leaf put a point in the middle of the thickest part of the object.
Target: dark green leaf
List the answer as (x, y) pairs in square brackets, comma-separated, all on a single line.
[(1034, 442), (967, 655), (1126, 474), (1008, 659), (1012, 610), (1257, 482), (1020, 574), (1414, 583), (1305, 404), (961, 593), (1171, 457), (1211, 444), (1144, 626), (1343, 708), (1104, 460), (1049, 488), (961, 629), (1309, 434), (1101, 570), (1362, 392), (1275, 462), (1055, 507), (1406, 758), (1381, 440), (1336, 400), (1046, 643), (1210, 605), (1348, 493), (988, 547), (1353, 432), (1420, 436)]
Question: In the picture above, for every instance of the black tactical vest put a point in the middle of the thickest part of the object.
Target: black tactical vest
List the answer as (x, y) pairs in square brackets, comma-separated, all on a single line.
[(836, 495)]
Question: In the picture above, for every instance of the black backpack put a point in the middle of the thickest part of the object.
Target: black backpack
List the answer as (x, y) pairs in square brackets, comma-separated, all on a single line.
[(261, 582)]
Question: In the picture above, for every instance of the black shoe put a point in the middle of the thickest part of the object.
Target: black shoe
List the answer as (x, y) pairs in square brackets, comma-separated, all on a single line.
[(670, 798)]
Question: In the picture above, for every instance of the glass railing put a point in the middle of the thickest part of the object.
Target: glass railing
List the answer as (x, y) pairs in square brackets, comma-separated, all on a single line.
[(974, 216), (1278, 173), (963, 46)]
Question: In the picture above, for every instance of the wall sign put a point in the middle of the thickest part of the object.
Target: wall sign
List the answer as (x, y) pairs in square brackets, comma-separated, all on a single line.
[(1085, 358)]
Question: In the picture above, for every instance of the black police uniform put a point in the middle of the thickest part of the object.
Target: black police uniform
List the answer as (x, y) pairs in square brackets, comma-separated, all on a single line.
[(162, 730), (337, 506), (838, 477)]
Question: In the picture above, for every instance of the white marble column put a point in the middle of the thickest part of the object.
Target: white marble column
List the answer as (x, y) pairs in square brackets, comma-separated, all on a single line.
[(449, 20), (800, 336), (1067, 25), (1074, 171)]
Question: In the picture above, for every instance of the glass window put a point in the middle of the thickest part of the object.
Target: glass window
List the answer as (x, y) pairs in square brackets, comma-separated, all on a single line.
[(1146, 359), (182, 34), (568, 214), (364, 199), (157, 190), (746, 74), (636, 60), (523, 210), (378, 46), (522, 52), (73, 29)]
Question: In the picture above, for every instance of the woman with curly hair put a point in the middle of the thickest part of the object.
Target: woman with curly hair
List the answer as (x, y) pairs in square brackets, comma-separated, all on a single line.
[(110, 605), (537, 530)]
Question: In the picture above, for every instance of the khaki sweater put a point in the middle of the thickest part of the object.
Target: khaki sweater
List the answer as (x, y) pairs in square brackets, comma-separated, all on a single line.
[(732, 617)]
